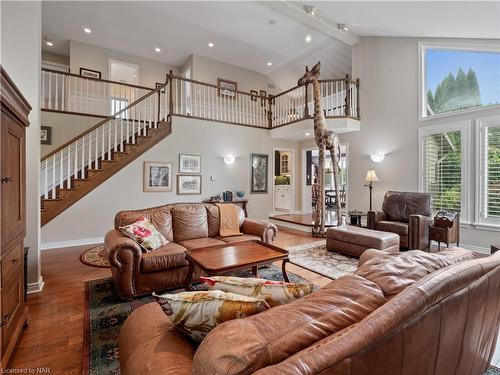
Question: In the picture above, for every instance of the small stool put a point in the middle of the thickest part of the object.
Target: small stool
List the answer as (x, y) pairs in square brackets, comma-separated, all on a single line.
[(353, 240)]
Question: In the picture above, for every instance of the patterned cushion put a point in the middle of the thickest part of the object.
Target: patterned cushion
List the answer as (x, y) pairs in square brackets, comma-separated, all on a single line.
[(197, 313), (145, 234), (275, 293)]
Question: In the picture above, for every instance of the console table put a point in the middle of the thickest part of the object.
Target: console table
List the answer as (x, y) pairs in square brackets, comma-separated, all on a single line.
[(240, 202)]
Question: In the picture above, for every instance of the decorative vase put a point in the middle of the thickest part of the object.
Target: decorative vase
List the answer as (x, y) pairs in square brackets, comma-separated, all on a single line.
[(240, 193)]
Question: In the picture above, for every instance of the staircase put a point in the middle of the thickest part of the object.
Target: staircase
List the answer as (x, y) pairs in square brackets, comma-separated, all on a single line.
[(80, 165)]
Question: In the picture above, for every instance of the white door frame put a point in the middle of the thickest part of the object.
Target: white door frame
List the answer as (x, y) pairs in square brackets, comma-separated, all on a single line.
[(292, 178), (305, 198), (135, 66)]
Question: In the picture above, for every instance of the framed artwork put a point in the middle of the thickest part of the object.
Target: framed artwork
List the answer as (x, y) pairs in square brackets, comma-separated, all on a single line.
[(258, 173), (157, 176), (158, 85), (226, 88), (263, 96), (46, 135), (188, 184), (253, 95), (189, 163), (89, 73)]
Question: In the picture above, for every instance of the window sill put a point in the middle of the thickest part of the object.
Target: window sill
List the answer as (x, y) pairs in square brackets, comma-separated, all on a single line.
[(458, 113), (487, 226)]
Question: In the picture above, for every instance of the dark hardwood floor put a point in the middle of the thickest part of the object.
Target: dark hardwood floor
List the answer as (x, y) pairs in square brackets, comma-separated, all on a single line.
[(54, 336)]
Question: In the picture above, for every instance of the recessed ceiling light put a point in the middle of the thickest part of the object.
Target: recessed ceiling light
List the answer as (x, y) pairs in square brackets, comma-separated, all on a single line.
[(307, 134), (269, 63), (157, 49), (211, 44), (308, 38), (49, 43), (87, 30), (342, 27)]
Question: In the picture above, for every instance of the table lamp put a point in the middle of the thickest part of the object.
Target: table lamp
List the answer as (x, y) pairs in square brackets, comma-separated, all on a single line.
[(371, 177)]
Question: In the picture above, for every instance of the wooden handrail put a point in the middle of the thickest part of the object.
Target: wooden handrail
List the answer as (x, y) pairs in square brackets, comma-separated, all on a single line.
[(97, 79), (74, 139)]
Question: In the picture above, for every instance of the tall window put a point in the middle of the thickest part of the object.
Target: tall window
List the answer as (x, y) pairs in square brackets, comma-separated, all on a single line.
[(489, 170), (443, 169), (458, 78)]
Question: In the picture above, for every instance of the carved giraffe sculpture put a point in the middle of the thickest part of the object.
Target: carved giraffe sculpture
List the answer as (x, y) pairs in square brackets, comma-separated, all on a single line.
[(325, 139)]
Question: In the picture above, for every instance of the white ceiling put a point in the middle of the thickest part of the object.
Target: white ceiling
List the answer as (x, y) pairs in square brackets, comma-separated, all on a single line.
[(243, 35)]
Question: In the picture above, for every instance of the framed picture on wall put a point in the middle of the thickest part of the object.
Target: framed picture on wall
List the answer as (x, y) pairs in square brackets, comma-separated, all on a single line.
[(89, 73), (258, 173), (263, 96), (158, 85), (188, 184), (46, 135), (226, 88), (253, 95), (189, 163), (157, 176)]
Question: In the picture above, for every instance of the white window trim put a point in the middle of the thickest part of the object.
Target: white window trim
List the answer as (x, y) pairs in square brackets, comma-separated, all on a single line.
[(422, 92), (464, 128), (478, 223)]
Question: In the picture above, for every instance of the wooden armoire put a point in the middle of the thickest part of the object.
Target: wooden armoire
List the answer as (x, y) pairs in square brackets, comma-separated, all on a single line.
[(13, 123)]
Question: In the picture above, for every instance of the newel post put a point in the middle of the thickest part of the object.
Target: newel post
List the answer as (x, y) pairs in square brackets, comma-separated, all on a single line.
[(357, 99), (347, 111), (306, 107), (270, 111), (170, 99)]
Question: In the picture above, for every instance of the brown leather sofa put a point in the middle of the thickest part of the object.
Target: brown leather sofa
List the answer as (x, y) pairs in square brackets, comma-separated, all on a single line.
[(407, 313), (406, 214), (186, 226)]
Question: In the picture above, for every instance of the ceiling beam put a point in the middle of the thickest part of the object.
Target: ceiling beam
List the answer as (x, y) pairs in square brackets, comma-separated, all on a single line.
[(295, 11)]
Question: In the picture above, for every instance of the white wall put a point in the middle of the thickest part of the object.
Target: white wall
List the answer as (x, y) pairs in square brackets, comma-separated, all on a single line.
[(388, 73), (21, 57), (92, 216), (96, 58), (208, 70)]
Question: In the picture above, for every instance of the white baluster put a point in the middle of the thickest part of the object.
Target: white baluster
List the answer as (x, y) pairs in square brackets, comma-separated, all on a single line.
[(50, 90), (75, 170), (46, 190), (68, 177), (54, 176), (82, 170), (61, 170)]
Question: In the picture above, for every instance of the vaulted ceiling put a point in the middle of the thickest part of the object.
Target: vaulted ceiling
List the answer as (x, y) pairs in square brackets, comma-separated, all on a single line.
[(250, 34)]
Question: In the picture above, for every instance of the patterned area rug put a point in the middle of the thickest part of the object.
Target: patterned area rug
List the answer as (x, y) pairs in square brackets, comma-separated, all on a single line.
[(105, 314), (315, 257), (95, 257)]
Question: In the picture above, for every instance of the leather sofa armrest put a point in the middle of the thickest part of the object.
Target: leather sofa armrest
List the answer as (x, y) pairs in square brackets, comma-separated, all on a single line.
[(264, 229), (418, 233), (372, 217), (124, 256)]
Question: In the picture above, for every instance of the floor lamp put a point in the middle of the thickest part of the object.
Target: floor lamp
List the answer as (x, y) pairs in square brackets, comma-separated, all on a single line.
[(371, 177)]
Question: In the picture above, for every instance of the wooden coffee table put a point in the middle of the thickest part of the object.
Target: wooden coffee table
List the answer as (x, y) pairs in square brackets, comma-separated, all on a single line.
[(229, 257)]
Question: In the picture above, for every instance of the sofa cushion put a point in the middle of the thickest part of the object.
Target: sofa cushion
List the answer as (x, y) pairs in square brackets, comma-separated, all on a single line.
[(213, 220), (164, 258), (234, 239), (162, 220), (189, 222), (245, 345), (201, 242), (197, 313), (393, 273), (398, 206), (397, 227), (363, 237)]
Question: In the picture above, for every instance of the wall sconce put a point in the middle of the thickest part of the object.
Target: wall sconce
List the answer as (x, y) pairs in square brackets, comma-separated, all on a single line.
[(229, 159), (377, 158)]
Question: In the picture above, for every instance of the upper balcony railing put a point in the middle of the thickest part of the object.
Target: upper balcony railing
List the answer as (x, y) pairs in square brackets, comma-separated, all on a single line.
[(190, 98)]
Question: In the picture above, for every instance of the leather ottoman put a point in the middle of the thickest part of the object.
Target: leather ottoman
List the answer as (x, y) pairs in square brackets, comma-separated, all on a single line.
[(353, 240)]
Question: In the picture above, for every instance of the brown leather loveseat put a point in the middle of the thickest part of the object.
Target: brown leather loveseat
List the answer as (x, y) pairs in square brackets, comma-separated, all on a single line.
[(186, 226), (407, 313), (407, 214)]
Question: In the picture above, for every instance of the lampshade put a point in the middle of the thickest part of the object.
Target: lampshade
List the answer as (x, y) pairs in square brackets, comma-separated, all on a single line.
[(371, 176)]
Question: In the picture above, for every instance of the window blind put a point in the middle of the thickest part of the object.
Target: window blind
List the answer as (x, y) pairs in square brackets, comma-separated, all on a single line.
[(490, 173), (443, 170)]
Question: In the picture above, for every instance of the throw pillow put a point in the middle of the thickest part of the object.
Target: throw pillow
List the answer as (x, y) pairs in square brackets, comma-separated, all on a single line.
[(197, 313), (145, 234), (275, 293)]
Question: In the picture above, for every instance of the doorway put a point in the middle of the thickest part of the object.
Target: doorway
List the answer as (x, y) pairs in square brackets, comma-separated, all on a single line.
[(310, 159), (283, 180)]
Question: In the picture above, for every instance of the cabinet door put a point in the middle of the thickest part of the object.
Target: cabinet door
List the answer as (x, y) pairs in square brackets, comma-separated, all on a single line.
[(12, 172)]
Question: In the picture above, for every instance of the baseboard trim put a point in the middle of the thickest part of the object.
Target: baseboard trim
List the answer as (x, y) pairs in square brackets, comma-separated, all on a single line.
[(71, 243), (36, 287)]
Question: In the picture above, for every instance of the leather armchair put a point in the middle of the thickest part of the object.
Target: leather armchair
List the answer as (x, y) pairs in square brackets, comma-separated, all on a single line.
[(407, 214), (136, 273)]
